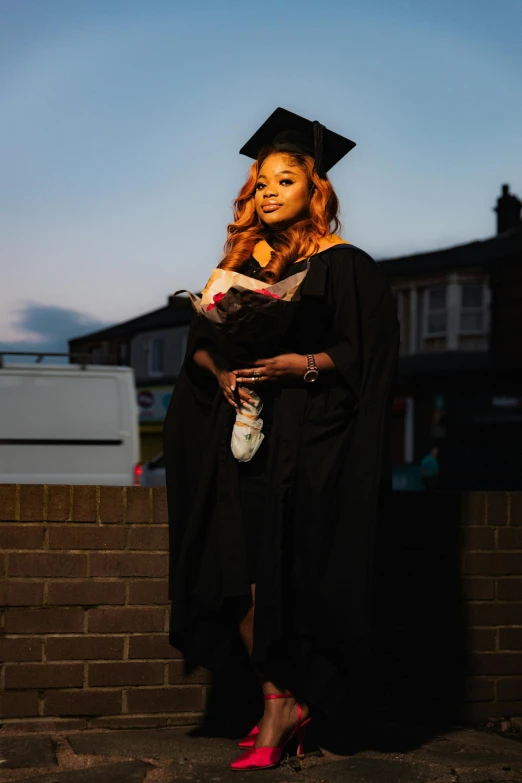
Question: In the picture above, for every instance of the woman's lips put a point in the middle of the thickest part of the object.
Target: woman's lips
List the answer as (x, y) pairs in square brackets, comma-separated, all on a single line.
[(270, 207)]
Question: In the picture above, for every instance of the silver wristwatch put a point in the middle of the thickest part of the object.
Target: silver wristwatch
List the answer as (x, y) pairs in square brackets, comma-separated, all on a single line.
[(312, 373)]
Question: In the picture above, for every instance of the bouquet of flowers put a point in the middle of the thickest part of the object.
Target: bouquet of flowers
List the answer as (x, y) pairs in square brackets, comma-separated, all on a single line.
[(248, 318)]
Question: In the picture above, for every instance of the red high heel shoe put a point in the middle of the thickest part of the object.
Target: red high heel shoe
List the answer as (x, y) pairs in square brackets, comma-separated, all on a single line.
[(248, 741), (263, 758)]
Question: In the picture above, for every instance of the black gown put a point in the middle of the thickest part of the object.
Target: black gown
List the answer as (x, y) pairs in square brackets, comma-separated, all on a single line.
[(321, 478)]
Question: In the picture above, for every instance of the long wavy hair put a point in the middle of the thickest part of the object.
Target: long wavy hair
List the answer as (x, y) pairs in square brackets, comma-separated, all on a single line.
[(289, 244)]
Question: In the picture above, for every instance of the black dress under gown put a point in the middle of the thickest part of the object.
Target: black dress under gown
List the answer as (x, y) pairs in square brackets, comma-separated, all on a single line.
[(254, 476), (300, 518)]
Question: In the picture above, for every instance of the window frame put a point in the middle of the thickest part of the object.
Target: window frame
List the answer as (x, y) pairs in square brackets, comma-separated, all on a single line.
[(483, 308)]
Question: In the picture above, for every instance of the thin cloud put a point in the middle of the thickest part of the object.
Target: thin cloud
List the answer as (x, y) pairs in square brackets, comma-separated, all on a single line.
[(48, 328)]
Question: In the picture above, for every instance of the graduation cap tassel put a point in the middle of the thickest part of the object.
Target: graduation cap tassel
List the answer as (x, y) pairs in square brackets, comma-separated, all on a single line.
[(318, 149)]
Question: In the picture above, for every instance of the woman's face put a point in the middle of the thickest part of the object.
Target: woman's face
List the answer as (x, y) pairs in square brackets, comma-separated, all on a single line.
[(282, 192)]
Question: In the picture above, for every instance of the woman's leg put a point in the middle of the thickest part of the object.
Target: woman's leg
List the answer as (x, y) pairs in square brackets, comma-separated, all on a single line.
[(246, 626), (280, 715)]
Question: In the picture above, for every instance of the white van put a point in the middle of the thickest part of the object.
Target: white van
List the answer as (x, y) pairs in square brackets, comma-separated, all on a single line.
[(68, 424)]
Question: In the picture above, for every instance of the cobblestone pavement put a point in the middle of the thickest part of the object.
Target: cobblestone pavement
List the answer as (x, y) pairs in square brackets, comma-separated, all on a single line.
[(374, 754)]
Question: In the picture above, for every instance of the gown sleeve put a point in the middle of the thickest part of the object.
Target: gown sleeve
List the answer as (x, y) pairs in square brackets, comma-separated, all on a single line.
[(365, 324), (200, 336)]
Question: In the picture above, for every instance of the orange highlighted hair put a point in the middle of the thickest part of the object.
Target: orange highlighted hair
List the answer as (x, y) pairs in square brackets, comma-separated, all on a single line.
[(299, 240)]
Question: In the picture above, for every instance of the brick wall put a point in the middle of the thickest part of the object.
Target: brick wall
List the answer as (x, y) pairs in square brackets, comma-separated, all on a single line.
[(85, 609), (85, 612), (448, 606)]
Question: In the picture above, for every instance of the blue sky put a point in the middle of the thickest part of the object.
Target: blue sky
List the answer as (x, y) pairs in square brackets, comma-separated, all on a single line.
[(120, 124)]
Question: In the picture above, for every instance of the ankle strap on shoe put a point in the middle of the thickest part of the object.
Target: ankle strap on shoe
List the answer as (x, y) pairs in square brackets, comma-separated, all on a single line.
[(279, 696)]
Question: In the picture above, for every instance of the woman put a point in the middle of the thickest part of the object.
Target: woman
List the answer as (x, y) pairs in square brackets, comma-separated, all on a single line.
[(280, 548)]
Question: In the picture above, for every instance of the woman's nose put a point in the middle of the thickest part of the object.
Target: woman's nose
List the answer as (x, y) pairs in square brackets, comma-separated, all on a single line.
[(270, 191)]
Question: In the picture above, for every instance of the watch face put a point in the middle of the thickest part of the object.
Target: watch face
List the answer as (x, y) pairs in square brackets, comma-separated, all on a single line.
[(311, 375)]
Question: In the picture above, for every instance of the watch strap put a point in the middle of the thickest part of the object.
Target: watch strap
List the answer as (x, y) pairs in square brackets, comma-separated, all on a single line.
[(311, 372), (310, 358)]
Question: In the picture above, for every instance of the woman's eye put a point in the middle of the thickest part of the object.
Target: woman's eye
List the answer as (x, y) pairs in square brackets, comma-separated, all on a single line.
[(259, 186), (287, 181)]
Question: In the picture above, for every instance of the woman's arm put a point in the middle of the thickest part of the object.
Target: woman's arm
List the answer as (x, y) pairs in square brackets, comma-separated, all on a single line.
[(280, 366), (208, 361)]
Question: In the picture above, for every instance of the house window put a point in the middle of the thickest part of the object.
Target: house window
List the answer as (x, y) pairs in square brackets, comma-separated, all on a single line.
[(472, 310), (157, 346), (436, 314)]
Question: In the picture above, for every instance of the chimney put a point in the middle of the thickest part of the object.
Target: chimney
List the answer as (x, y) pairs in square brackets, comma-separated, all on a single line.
[(508, 211)]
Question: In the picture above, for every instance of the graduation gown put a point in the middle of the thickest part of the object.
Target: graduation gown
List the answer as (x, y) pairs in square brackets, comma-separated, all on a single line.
[(328, 473)]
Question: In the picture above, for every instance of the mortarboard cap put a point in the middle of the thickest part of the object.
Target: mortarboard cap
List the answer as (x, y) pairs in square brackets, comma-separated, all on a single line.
[(288, 132)]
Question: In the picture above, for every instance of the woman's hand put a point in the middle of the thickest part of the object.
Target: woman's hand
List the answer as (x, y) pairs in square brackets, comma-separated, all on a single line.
[(272, 369), (213, 362), (233, 394)]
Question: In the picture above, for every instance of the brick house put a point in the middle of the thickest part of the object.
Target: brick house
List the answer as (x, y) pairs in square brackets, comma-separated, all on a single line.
[(460, 370)]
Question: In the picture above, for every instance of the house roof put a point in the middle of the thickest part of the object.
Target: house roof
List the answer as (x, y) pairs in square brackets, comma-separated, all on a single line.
[(177, 313), (479, 253)]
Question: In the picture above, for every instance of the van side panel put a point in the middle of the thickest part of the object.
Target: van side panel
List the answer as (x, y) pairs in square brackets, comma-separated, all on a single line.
[(63, 425)]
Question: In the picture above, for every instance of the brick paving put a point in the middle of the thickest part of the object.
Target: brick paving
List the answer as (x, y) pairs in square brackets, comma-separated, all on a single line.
[(371, 754)]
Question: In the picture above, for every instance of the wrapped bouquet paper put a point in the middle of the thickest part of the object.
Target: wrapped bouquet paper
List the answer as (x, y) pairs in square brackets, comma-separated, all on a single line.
[(246, 433), (223, 281), (248, 318)]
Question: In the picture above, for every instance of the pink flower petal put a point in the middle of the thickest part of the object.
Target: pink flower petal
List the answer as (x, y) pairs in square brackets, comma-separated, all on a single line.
[(217, 298)]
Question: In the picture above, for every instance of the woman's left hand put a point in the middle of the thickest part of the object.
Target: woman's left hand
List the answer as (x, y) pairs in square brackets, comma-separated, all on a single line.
[(272, 369)]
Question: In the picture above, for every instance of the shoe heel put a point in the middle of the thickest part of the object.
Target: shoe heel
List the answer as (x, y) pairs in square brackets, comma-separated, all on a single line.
[(300, 735), (300, 741)]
